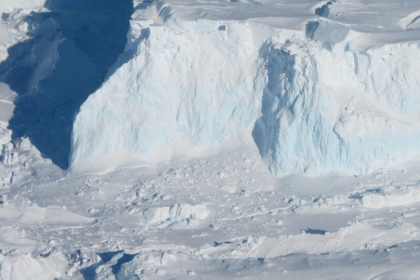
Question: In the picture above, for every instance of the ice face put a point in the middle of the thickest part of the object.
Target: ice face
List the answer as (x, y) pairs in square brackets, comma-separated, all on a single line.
[(198, 88), (323, 112), (318, 102), (298, 113), (175, 90)]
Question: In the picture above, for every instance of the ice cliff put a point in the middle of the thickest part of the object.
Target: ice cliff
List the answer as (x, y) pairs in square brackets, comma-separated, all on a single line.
[(172, 92), (320, 98), (325, 111)]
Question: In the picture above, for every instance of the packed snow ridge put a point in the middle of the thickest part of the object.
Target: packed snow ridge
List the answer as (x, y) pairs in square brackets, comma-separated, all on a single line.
[(317, 95)]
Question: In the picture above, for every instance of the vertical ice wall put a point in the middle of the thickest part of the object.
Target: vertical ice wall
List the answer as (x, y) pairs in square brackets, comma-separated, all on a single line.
[(322, 103), (295, 131), (194, 89), (329, 110)]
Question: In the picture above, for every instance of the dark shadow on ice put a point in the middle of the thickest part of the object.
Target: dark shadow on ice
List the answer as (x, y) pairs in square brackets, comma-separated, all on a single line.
[(126, 258), (129, 54), (144, 35), (324, 10), (315, 231), (144, 5), (89, 272), (311, 28), (278, 65), (81, 40), (107, 256)]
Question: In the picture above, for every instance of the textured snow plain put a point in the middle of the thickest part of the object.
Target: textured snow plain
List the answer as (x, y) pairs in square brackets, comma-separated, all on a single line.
[(227, 140)]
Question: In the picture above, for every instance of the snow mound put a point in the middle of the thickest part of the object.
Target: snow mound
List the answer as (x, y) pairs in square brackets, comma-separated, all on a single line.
[(23, 266), (381, 198)]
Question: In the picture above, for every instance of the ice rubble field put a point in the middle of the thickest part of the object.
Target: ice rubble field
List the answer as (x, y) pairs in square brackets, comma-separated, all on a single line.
[(217, 139)]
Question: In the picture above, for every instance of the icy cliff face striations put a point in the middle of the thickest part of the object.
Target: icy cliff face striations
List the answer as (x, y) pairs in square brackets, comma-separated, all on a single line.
[(191, 89), (295, 131), (326, 111), (318, 100)]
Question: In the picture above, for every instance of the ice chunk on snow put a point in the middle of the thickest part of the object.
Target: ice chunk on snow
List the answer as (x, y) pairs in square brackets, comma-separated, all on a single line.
[(175, 214)]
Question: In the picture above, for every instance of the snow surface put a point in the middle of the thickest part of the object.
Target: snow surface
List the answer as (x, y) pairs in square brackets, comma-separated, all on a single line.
[(190, 157)]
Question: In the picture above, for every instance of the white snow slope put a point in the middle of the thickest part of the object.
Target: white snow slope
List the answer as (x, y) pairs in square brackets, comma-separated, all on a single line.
[(330, 93)]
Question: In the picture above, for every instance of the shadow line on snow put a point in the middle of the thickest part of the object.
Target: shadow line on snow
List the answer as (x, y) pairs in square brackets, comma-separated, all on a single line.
[(70, 52)]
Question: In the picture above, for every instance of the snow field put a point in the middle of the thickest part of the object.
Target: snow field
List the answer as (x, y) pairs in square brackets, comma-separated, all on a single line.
[(230, 214)]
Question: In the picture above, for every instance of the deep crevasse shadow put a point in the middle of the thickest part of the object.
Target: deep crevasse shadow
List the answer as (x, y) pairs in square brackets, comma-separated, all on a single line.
[(88, 37), (278, 65)]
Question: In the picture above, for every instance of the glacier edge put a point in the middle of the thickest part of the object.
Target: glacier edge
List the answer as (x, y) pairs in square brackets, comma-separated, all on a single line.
[(317, 106)]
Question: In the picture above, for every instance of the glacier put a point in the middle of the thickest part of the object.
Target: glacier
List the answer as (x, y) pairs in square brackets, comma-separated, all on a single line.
[(315, 100), (171, 114)]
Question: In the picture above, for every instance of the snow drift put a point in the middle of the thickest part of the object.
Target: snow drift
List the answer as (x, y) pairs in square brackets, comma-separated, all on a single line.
[(319, 100)]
